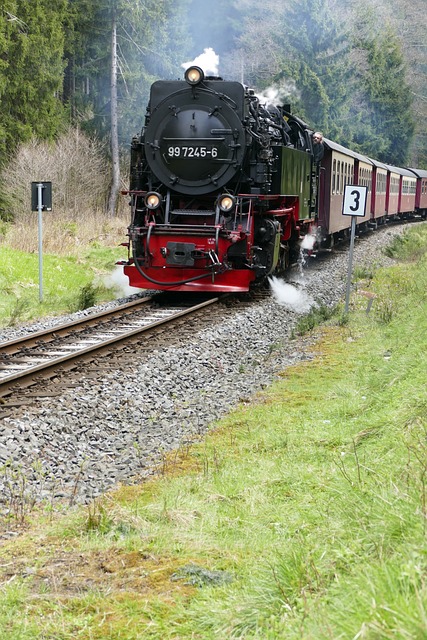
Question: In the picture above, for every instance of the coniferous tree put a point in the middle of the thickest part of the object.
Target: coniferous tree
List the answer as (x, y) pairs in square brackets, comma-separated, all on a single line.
[(407, 20), (31, 70), (319, 62), (114, 50), (385, 104), (150, 44), (345, 76), (305, 56), (4, 27)]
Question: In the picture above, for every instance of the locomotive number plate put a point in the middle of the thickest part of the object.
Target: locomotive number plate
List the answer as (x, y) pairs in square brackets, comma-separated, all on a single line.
[(193, 152)]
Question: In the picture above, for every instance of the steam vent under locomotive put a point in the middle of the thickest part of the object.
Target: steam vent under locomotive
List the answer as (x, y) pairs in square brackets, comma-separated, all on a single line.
[(222, 186)]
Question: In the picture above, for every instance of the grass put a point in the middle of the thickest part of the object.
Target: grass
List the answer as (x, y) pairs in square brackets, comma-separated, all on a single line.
[(77, 258), (65, 281), (410, 245), (302, 515)]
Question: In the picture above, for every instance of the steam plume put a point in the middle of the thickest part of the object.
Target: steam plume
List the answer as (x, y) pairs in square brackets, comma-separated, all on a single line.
[(290, 297), (208, 61)]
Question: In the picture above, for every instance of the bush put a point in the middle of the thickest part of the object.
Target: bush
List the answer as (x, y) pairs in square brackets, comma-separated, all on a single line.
[(316, 316), (87, 297), (76, 166)]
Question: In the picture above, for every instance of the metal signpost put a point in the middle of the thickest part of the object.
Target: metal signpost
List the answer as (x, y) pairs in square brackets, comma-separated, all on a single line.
[(41, 199), (354, 205)]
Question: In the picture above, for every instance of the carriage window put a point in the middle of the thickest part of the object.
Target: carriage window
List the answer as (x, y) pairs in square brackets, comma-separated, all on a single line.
[(334, 175)]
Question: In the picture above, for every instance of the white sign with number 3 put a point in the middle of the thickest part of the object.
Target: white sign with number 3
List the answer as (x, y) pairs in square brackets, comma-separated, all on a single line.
[(354, 200)]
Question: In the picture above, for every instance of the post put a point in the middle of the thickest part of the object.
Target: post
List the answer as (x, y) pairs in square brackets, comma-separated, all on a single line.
[(350, 263), (41, 199), (40, 224), (354, 204)]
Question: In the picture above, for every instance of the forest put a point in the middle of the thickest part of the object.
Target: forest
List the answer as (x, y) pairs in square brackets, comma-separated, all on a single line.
[(354, 69)]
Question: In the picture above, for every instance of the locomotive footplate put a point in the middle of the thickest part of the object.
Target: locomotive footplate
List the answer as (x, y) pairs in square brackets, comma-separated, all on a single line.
[(180, 253)]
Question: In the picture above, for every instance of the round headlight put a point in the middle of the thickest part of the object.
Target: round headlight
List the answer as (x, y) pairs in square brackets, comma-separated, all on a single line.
[(226, 203), (194, 75), (152, 200)]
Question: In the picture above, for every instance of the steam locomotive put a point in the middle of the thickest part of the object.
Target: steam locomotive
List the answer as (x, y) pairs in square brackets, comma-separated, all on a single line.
[(223, 188)]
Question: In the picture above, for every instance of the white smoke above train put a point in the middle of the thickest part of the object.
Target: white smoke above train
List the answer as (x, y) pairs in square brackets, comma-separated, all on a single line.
[(208, 61)]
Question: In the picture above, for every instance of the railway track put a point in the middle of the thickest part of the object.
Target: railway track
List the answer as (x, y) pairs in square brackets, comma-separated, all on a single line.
[(35, 357)]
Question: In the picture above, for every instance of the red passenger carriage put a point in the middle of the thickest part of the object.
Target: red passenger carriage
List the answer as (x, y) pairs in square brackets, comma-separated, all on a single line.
[(421, 191), (340, 167)]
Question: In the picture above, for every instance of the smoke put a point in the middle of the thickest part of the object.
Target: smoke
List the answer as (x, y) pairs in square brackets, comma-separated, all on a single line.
[(119, 283), (285, 91), (208, 61), (290, 297)]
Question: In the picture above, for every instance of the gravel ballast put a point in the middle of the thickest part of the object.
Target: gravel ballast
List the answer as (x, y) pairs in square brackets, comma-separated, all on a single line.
[(115, 429)]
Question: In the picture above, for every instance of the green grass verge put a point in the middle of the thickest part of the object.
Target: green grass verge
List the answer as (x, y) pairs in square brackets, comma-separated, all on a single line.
[(69, 282), (301, 516)]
